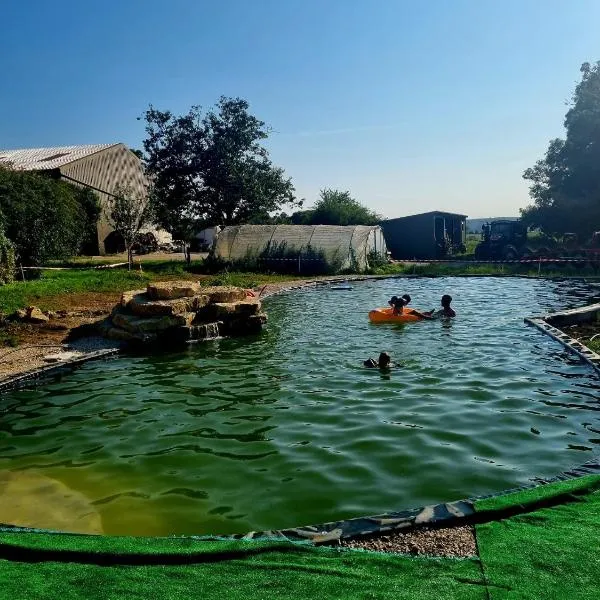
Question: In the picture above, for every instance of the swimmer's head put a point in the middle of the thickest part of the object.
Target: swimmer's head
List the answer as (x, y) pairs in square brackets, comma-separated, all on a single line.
[(384, 360)]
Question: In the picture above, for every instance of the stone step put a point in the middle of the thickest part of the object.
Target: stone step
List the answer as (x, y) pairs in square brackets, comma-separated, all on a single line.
[(135, 324), (142, 306), (169, 290)]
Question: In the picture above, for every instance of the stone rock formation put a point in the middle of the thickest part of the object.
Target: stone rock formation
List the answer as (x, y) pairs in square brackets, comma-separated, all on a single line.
[(183, 311)]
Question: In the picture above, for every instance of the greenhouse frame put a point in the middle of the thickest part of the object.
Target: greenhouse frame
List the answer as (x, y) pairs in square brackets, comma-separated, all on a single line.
[(302, 248)]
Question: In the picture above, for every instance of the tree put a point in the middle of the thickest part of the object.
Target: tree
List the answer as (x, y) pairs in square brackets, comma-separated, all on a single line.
[(130, 212), (46, 219), (211, 168), (565, 184), (335, 207)]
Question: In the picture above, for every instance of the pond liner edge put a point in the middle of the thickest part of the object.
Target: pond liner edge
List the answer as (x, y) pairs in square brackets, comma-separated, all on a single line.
[(442, 515)]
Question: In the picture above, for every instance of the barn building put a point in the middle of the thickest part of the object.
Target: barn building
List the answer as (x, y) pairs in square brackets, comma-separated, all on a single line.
[(99, 167)]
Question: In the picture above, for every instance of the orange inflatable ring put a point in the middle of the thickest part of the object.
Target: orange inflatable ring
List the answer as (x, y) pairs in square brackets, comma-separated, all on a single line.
[(386, 315), (250, 294)]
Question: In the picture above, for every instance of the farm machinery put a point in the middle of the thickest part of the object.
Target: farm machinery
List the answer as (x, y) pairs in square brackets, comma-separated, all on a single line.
[(508, 240)]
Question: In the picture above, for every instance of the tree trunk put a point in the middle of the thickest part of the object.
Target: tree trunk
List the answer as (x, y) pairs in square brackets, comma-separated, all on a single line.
[(129, 258)]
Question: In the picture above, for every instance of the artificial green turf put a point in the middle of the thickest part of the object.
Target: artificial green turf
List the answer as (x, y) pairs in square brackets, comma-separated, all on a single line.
[(236, 570), (548, 493), (546, 554)]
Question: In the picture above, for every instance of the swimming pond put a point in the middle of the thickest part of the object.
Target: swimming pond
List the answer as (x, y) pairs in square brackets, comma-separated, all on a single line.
[(288, 428)]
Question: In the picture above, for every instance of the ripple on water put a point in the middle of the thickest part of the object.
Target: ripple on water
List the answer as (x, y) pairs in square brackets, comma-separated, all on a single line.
[(288, 428)]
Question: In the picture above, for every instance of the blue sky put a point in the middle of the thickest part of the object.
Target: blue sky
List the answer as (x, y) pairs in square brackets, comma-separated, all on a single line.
[(412, 106)]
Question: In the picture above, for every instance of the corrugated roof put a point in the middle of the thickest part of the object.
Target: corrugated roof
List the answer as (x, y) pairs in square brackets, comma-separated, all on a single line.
[(43, 159), (426, 214)]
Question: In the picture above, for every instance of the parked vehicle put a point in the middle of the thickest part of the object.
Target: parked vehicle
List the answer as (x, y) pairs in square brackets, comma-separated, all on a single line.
[(502, 240), (507, 240), (590, 250)]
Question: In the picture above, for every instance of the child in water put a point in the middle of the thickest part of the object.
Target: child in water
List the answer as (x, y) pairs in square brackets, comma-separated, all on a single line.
[(385, 362), (398, 303)]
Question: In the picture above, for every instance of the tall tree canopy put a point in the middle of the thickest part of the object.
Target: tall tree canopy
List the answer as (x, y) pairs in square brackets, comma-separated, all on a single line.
[(335, 207), (565, 184), (210, 168)]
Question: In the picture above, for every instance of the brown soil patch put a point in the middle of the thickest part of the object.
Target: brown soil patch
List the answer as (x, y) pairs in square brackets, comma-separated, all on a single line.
[(92, 302), (582, 331), (456, 542)]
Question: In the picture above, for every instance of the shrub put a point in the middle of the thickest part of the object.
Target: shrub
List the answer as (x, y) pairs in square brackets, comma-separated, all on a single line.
[(44, 218), (7, 258)]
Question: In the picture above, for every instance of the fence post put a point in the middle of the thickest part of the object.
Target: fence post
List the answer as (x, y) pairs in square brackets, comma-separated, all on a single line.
[(299, 259)]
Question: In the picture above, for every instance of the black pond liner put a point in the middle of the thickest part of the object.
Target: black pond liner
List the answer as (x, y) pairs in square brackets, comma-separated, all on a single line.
[(449, 514)]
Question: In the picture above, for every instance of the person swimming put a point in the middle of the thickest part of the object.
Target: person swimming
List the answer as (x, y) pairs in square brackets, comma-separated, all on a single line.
[(384, 362), (445, 311)]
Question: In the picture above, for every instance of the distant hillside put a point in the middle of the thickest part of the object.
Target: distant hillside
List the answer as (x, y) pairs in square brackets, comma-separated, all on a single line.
[(474, 225)]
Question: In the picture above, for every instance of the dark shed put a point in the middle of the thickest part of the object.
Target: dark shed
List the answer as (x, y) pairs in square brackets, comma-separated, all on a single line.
[(428, 235)]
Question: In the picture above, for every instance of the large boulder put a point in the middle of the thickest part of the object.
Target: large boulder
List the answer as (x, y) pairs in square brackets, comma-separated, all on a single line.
[(135, 324), (227, 310), (35, 315), (243, 325), (143, 306), (248, 307), (127, 297), (168, 290), (225, 293)]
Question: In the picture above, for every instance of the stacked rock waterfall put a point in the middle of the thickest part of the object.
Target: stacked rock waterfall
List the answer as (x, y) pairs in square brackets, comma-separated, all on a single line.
[(182, 311)]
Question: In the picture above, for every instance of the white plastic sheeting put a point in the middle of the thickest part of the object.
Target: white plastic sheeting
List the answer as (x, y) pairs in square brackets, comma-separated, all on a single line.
[(342, 247)]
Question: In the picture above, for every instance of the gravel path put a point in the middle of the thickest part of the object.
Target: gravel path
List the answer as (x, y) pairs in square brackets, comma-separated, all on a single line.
[(456, 542)]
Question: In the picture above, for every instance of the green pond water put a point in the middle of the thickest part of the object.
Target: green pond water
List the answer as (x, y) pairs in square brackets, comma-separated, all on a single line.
[(288, 428)]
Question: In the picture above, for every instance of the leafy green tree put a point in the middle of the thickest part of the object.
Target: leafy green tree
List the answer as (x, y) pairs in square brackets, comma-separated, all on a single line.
[(565, 184), (210, 168), (130, 212), (44, 218), (335, 207)]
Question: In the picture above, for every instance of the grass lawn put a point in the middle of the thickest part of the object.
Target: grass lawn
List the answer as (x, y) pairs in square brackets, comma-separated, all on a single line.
[(50, 290)]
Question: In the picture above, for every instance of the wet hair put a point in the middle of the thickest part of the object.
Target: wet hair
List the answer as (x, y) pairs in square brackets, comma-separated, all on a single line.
[(384, 359), (406, 298), (446, 299)]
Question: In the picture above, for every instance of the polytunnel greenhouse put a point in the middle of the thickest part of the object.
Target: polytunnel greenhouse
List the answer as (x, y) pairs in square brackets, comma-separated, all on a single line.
[(302, 248)]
